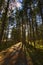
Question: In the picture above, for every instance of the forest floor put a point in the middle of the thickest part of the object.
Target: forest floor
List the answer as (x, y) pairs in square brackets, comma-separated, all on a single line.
[(35, 54), (14, 56)]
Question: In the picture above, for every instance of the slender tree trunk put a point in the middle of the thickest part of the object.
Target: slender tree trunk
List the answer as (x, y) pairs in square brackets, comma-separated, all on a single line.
[(32, 27), (22, 31), (40, 5), (33, 32)]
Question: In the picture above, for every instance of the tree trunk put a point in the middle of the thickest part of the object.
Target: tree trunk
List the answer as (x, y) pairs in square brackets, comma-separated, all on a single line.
[(40, 5), (4, 21)]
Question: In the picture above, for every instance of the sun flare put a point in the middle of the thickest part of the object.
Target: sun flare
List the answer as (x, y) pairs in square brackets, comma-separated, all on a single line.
[(18, 4)]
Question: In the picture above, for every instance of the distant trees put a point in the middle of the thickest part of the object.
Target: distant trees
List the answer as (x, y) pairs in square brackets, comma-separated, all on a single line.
[(33, 9), (29, 16)]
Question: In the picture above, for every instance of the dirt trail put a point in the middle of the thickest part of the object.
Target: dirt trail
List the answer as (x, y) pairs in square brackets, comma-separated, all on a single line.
[(9, 56), (14, 56)]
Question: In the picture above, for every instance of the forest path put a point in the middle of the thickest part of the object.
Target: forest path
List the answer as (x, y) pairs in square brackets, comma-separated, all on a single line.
[(15, 56), (9, 56)]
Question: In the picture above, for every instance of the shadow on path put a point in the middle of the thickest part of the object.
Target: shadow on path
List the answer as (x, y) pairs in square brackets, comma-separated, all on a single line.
[(11, 55)]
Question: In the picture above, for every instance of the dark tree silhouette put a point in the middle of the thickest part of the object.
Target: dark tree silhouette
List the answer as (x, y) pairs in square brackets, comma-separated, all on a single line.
[(4, 21)]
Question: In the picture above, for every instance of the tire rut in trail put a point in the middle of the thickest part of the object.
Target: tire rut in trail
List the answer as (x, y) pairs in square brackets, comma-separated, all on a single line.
[(21, 60)]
